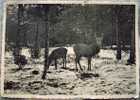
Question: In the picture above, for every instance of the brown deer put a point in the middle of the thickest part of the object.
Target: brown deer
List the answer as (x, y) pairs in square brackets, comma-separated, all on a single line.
[(19, 59), (57, 54), (86, 50)]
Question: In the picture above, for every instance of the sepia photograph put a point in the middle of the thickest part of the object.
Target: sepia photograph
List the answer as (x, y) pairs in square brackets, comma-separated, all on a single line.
[(70, 50)]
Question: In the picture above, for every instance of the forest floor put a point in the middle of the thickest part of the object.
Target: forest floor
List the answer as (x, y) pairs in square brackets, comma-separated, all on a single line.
[(107, 77)]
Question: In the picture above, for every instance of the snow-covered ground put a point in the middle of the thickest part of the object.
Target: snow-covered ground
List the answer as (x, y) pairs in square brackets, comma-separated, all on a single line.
[(107, 77)]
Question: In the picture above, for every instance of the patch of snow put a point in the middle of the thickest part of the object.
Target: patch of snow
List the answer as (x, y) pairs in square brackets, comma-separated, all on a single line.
[(114, 77)]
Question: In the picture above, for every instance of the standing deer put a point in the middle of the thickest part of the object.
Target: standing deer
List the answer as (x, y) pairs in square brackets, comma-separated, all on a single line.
[(86, 50), (57, 54)]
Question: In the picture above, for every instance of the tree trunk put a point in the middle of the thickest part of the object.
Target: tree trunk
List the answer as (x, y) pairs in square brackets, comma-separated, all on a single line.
[(46, 51), (132, 56), (18, 42), (35, 50), (25, 39), (46, 42), (113, 37), (118, 37), (131, 59)]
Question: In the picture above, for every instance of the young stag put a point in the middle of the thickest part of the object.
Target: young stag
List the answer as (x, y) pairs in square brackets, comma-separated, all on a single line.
[(57, 54), (85, 50)]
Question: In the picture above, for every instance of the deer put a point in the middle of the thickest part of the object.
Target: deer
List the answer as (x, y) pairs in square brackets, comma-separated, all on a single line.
[(19, 59), (57, 54), (85, 50)]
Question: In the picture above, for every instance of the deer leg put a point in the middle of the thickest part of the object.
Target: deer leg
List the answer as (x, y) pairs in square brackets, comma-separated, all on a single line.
[(89, 63), (64, 61), (79, 63), (76, 64), (55, 64)]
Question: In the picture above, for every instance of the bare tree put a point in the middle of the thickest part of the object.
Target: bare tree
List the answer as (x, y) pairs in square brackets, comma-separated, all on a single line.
[(46, 10), (118, 36), (18, 42), (35, 51), (132, 58), (49, 19)]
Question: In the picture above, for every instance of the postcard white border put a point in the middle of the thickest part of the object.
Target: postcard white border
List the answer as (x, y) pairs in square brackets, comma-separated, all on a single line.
[(3, 47), (70, 2)]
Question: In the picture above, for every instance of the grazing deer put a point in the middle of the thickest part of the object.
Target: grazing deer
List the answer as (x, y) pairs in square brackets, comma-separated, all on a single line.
[(86, 50), (57, 54), (19, 59)]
